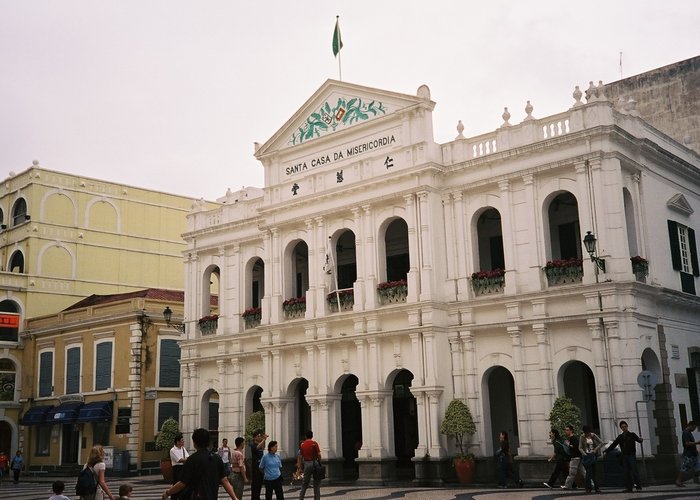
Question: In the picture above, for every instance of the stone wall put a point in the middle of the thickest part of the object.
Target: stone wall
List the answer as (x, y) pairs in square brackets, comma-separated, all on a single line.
[(667, 98)]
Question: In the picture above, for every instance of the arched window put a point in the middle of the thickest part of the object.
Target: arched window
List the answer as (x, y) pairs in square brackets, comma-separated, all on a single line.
[(19, 212), (9, 333), (16, 262), (8, 372)]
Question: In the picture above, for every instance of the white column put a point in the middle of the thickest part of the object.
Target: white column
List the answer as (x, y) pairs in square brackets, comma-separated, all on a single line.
[(608, 425), (508, 237), (413, 249), (521, 392), (425, 242), (369, 252), (461, 243), (533, 258), (359, 286)]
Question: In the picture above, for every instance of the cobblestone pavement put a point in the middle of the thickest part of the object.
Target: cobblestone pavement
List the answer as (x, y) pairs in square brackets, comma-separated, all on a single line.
[(151, 488)]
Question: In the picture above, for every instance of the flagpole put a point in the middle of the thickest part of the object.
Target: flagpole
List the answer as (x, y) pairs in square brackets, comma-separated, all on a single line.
[(337, 45), (340, 73)]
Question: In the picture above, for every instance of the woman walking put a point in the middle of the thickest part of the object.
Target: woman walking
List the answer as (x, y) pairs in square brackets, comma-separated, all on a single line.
[(560, 457), (589, 444), (271, 467), (97, 465), (505, 462)]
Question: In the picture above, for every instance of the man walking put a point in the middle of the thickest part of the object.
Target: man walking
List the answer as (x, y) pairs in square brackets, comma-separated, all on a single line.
[(238, 465), (257, 449), (309, 460), (225, 454), (689, 458), (628, 444), (575, 462), (203, 472)]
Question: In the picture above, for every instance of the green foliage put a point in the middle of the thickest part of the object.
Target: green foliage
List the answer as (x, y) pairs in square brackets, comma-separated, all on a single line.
[(166, 437), (458, 421), (255, 421), (565, 412)]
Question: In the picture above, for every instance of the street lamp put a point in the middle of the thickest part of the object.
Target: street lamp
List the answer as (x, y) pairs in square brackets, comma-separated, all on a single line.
[(168, 315), (589, 242)]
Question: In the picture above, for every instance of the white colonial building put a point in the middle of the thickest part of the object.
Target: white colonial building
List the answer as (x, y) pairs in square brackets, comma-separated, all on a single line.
[(378, 274)]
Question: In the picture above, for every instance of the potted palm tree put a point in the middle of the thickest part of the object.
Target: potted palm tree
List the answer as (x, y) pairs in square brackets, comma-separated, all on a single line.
[(458, 422), (164, 441)]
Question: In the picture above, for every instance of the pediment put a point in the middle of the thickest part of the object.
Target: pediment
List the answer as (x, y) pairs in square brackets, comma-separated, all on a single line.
[(680, 204), (338, 106)]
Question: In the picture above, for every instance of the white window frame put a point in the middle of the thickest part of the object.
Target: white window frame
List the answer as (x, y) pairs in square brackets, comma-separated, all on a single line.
[(159, 359), (686, 265), (80, 371)]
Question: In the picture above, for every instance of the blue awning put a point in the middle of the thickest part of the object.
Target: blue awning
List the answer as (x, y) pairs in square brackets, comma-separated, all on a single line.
[(35, 415), (97, 411), (63, 414)]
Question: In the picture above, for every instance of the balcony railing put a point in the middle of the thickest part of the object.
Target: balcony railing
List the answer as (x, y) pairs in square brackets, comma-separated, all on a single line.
[(392, 292), (294, 308), (488, 282), (640, 268), (252, 317), (209, 324), (561, 272), (342, 300)]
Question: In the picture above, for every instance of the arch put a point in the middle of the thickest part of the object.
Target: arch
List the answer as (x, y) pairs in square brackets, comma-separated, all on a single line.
[(58, 207), (253, 402), (8, 436), (9, 334), (2, 219), (562, 227), (210, 414), (405, 419), (650, 361), (102, 214), (393, 245), (630, 222), (500, 410), (350, 424), (296, 266), (16, 263), (578, 383), (210, 290), (345, 258), (488, 232), (302, 411), (8, 380), (254, 289), (57, 261), (19, 211)]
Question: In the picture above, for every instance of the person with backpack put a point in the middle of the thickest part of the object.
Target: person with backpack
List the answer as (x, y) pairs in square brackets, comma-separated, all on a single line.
[(309, 459), (589, 444), (91, 483), (202, 473), (505, 462), (562, 455), (575, 466)]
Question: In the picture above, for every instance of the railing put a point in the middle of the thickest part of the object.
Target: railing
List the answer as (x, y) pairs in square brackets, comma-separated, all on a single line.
[(208, 325), (294, 308), (561, 272), (346, 296), (392, 292), (488, 282)]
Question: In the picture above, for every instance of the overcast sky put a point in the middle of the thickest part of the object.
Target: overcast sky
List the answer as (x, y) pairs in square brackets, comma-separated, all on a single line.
[(171, 94)]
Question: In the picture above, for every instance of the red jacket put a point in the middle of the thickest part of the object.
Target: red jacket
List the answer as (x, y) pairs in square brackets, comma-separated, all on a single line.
[(307, 448)]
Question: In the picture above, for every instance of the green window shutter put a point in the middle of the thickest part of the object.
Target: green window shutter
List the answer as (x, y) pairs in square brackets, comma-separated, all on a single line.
[(169, 375), (73, 370), (103, 366), (45, 374)]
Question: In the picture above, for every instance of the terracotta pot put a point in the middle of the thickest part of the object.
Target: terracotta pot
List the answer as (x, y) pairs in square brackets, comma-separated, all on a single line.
[(465, 468), (166, 468)]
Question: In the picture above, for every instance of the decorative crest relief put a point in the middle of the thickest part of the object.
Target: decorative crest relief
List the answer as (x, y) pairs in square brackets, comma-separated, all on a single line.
[(328, 118), (679, 203)]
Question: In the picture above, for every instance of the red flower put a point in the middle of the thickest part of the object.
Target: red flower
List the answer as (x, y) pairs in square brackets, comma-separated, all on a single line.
[(391, 284), (294, 301), (496, 273), (638, 260), (253, 311), (559, 263), (206, 319)]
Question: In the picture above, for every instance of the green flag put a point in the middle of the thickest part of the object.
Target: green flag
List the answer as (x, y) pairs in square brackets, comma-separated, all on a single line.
[(337, 41)]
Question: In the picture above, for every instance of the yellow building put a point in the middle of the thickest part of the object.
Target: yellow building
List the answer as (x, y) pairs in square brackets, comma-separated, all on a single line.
[(105, 370), (63, 238)]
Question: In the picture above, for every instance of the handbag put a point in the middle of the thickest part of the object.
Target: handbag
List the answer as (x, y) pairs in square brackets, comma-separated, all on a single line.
[(319, 468), (588, 459)]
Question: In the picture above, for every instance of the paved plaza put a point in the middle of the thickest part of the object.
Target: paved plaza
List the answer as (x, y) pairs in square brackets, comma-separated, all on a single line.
[(151, 488)]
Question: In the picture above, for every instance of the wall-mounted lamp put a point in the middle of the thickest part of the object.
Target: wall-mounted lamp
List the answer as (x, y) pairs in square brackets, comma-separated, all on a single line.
[(589, 242), (168, 315)]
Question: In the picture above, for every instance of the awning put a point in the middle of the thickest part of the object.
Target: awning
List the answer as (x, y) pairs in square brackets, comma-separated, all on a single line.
[(97, 411), (63, 414), (35, 415)]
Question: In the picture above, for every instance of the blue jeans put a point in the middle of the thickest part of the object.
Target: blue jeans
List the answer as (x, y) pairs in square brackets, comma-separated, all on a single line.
[(629, 471)]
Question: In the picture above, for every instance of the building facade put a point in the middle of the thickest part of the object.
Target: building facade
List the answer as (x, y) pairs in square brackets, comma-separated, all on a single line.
[(65, 237), (378, 274), (103, 371)]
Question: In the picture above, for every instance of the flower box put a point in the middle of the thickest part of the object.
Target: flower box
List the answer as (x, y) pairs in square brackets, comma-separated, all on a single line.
[(208, 324), (347, 300), (562, 271), (392, 292), (252, 317), (640, 267), (294, 307), (485, 282)]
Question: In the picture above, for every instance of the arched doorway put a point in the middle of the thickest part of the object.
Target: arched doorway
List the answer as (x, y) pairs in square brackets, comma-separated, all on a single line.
[(303, 410), (579, 385), (351, 426), (501, 406), (6, 438), (405, 424), (210, 416)]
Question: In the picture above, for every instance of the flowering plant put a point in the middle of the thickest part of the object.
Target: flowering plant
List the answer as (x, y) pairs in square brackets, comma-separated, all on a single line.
[(207, 319), (253, 311), (638, 260), (294, 301), (391, 284), (480, 275), (345, 296), (563, 263)]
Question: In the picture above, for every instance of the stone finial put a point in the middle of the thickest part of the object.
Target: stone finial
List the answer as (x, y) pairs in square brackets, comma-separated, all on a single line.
[(631, 107), (591, 92), (577, 96), (621, 104), (506, 117), (35, 163), (528, 110), (600, 91), (460, 129)]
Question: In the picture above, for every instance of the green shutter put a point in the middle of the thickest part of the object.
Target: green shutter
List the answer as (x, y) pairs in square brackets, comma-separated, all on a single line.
[(169, 375), (73, 370), (103, 366), (45, 373)]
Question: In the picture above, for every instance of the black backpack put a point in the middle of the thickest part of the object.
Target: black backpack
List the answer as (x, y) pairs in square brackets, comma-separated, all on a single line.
[(87, 484)]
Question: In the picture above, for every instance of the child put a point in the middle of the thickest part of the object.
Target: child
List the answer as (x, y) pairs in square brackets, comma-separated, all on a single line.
[(125, 491), (58, 487)]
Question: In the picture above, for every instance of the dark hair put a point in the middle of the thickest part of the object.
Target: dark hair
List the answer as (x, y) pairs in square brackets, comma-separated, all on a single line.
[(271, 445), (622, 422), (257, 432), (177, 437), (556, 433), (125, 489), (238, 441), (505, 435), (570, 427), (58, 487), (692, 424), (309, 434), (200, 438), (587, 429)]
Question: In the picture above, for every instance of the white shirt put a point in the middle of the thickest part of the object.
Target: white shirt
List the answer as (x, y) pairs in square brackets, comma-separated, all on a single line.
[(178, 453)]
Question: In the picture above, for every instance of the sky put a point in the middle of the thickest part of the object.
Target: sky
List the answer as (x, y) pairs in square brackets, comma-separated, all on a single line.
[(170, 95)]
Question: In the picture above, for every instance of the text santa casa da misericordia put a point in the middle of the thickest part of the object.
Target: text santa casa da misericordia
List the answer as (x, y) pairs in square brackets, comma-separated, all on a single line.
[(349, 152)]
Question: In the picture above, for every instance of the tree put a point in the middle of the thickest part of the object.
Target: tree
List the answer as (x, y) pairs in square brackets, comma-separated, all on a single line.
[(166, 437), (458, 422), (565, 412), (255, 421)]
